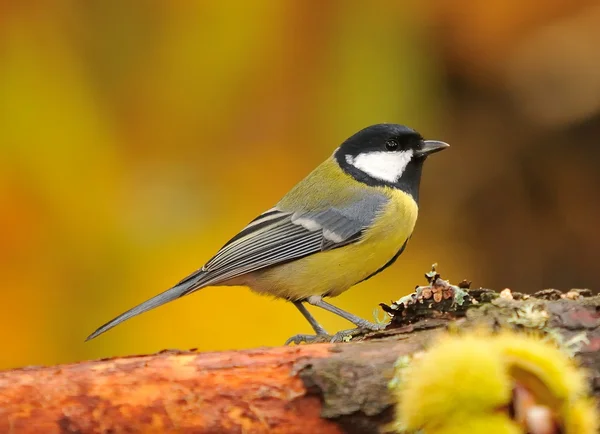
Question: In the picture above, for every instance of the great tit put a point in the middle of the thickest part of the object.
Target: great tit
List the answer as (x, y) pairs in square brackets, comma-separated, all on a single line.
[(348, 220)]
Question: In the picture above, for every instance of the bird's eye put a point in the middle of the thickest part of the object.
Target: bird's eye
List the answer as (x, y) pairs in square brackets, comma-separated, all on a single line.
[(392, 145)]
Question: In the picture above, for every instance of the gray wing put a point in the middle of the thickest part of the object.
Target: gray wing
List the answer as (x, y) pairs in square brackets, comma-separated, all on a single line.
[(278, 236)]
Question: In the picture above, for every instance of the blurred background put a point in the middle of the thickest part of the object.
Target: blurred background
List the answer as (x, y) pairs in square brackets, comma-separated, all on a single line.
[(137, 137)]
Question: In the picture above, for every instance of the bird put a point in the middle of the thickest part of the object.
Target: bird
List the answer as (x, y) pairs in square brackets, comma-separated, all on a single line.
[(346, 221)]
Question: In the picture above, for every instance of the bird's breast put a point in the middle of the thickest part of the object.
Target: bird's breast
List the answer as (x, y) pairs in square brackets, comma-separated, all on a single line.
[(395, 223)]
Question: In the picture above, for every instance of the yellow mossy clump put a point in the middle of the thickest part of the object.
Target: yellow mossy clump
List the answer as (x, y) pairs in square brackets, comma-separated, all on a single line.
[(481, 382)]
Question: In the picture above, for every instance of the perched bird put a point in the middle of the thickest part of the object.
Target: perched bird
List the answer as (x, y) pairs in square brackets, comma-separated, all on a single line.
[(349, 219)]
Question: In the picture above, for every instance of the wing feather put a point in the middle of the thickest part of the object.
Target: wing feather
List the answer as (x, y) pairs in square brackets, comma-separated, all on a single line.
[(278, 236), (305, 222)]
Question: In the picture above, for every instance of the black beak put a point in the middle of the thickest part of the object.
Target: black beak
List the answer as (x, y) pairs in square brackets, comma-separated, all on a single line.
[(431, 146)]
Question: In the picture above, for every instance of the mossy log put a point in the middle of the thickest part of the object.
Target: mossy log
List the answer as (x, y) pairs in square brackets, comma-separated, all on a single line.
[(318, 388)]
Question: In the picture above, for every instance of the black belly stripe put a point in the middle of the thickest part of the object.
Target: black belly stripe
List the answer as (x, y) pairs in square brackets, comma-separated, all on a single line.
[(390, 262)]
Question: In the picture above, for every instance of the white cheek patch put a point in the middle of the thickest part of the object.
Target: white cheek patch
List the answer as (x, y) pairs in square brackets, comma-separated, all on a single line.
[(385, 166)]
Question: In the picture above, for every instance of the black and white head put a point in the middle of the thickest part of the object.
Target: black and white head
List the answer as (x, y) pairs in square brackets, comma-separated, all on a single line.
[(387, 155)]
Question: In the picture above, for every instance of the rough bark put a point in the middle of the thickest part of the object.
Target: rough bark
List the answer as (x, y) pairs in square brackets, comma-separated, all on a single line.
[(320, 388)]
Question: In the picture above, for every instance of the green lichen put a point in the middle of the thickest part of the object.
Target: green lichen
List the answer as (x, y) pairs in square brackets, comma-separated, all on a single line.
[(381, 321), (401, 372), (570, 346), (459, 295), (530, 315), (401, 366), (535, 316)]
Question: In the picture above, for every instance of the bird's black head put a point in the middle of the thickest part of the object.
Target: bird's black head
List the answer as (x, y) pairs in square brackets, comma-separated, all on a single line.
[(387, 155)]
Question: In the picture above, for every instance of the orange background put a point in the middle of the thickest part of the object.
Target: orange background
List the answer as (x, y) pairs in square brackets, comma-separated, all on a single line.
[(137, 137)]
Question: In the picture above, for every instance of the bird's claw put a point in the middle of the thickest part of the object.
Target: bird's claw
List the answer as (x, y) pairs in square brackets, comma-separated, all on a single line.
[(370, 326), (307, 339), (341, 336), (346, 335)]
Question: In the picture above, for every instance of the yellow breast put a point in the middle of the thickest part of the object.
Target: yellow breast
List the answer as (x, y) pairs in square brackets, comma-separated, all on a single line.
[(333, 272)]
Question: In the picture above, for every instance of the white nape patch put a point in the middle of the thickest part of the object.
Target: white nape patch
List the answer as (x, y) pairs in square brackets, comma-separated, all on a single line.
[(308, 224), (385, 166)]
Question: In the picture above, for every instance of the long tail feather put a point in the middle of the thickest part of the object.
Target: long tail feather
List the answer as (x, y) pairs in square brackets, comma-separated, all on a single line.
[(184, 287)]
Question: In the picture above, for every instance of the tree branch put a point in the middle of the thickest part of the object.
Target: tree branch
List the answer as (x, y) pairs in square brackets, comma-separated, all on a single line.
[(320, 388)]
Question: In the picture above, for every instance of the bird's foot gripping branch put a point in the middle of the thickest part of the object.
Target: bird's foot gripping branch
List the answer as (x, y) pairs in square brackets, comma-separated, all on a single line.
[(341, 336)]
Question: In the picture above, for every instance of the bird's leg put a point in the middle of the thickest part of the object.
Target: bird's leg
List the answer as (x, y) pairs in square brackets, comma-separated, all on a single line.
[(317, 301), (311, 319), (321, 333)]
